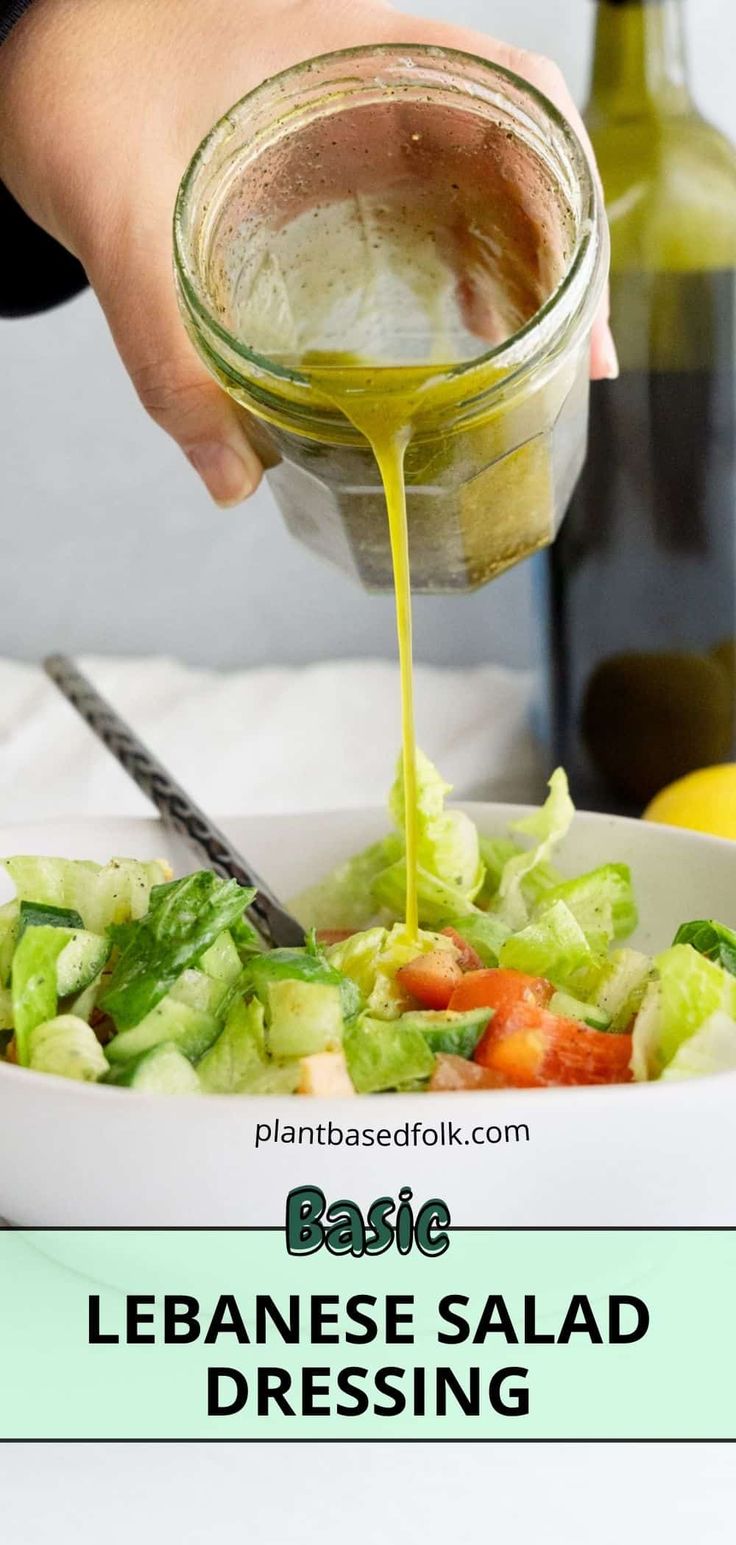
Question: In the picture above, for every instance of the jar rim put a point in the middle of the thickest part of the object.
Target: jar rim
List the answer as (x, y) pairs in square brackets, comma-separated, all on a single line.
[(589, 254)]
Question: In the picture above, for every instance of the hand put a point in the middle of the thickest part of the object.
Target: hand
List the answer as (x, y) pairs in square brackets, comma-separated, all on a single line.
[(101, 108)]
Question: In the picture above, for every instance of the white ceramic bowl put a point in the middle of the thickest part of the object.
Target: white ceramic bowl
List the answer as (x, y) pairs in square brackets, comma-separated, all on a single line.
[(75, 1154)]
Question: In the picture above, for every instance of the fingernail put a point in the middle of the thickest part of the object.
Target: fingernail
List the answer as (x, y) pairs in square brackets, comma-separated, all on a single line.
[(611, 368), (224, 472)]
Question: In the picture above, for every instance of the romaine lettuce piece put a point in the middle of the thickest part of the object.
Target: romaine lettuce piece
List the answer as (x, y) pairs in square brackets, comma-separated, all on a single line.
[(34, 983), (344, 899), (9, 925), (434, 896), (383, 1054), (712, 1049), (239, 1053), (552, 946), (548, 826), (693, 989), (357, 957), (645, 1055), (372, 960), (273, 1078), (620, 988), (602, 901), (183, 920), (711, 939), (448, 847), (495, 853), (6, 1009), (484, 931), (589, 1014), (689, 990), (111, 893), (68, 1047)]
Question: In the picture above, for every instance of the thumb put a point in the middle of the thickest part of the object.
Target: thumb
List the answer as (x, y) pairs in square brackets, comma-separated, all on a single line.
[(139, 301)]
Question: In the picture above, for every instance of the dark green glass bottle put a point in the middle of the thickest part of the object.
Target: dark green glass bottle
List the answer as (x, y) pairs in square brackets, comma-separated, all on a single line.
[(643, 574)]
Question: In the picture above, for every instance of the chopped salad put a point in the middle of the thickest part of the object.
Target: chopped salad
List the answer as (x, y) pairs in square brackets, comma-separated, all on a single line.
[(519, 976)]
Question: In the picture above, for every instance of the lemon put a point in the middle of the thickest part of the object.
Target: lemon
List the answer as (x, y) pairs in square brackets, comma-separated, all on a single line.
[(704, 801)]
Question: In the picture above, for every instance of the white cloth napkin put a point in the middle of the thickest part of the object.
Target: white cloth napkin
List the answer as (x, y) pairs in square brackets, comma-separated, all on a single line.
[(272, 739)]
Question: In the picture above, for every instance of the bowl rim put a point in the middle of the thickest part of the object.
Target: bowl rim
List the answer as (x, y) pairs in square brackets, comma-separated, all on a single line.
[(27, 1078)]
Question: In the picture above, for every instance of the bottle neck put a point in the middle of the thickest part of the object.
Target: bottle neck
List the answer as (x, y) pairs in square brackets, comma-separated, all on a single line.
[(640, 63)]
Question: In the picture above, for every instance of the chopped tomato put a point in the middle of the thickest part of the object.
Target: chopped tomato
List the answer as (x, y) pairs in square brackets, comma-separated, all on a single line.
[(501, 991), (431, 978), (334, 935), (533, 1048), (467, 958), (456, 1073)]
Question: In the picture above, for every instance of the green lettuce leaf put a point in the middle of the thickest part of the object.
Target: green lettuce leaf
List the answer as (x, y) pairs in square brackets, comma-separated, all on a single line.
[(101, 894), (434, 896), (384, 1054), (33, 983), (68, 1047), (183, 920), (484, 931), (447, 846), (372, 959), (602, 901), (689, 990), (548, 826), (712, 1049), (553, 946), (495, 853)]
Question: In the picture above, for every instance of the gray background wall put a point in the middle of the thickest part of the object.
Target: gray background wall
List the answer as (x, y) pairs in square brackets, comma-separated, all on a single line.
[(108, 542)]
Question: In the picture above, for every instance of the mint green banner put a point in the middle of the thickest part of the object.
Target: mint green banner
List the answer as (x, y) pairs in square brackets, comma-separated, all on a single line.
[(548, 1335)]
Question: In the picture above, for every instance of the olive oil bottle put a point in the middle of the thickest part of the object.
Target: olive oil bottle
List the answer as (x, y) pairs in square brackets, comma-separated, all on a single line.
[(643, 575)]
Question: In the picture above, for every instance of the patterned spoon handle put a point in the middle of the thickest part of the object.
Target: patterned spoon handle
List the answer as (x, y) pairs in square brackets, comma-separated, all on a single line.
[(275, 925)]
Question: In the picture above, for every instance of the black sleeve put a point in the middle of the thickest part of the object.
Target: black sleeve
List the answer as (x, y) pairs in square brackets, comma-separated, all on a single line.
[(35, 271)]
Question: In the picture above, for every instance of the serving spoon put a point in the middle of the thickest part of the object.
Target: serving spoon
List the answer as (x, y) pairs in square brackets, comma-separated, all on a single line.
[(177, 809)]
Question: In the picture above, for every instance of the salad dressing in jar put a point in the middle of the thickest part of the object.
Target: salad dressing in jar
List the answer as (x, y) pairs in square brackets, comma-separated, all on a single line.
[(391, 258)]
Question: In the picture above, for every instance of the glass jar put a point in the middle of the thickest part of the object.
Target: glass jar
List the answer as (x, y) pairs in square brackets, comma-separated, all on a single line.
[(425, 226)]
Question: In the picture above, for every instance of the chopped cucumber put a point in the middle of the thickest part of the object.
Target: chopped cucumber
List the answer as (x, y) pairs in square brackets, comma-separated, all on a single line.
[(81, 960), (568, 1007), (446, 1031), (192, 1030), (68, 1047), (303, 1017), (34, 914), (222, 960), (162, 1070), (201, 992)]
